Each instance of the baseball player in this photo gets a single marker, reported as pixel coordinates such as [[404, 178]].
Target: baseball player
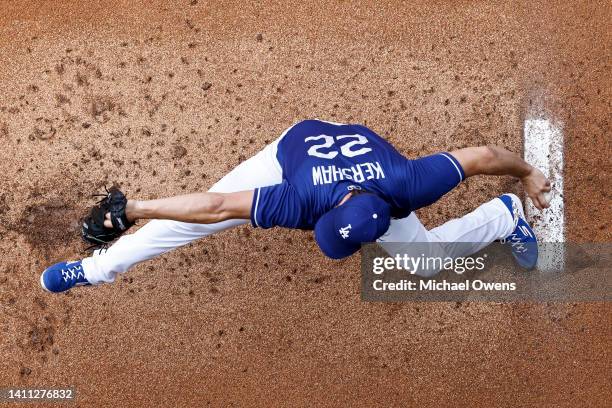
[[343, 181]]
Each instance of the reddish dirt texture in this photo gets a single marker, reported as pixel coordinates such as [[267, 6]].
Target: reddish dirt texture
[[166, 97]]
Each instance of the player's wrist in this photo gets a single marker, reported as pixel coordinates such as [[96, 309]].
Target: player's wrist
[[132, 210], [527, 171]]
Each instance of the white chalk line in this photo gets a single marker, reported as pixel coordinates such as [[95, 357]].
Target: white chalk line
[[543, 148]]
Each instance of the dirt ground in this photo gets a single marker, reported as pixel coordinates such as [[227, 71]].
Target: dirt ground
[[166, 97]]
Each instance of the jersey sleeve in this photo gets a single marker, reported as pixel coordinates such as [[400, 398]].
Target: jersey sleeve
[[428, 178], [276, 206]]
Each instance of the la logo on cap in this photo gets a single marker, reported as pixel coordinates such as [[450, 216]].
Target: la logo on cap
[[344, 231]]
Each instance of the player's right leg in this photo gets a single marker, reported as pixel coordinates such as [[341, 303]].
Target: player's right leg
[[160, 236], [502, 218]]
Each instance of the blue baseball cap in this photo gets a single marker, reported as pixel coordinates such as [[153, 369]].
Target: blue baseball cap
[[362, 218]]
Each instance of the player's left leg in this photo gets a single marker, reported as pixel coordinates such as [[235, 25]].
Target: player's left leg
[[160, 236]]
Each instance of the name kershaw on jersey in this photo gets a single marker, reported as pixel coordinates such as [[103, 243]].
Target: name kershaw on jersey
[[357, 173]]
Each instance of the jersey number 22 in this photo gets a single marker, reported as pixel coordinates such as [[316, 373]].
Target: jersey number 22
[[348, 149]]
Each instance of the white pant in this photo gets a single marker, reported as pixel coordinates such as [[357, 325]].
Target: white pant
[[489, 222]]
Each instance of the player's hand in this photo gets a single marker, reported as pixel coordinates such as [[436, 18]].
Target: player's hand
[[536, 185]]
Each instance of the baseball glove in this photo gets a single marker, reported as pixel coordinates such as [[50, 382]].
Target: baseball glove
[[93, 229]]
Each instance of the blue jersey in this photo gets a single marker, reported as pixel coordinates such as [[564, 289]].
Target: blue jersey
[[322, 162]]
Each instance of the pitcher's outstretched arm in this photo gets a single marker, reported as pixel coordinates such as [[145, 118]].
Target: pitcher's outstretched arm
[[199, 208], [497, 161]]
